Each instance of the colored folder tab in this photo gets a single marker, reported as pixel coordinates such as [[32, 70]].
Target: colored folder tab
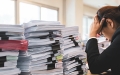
[[14, 44]]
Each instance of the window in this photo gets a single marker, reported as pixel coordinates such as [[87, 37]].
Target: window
[[25, 12], [49, 14], [7, 12], [87, 21], [29, 12]]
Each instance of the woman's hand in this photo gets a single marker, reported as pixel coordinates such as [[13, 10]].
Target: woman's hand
[[96, 27]]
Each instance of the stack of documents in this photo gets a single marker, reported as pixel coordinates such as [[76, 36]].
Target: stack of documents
[[74, 55], [8, 58], [45, 47], [24, 62], [11, 41]]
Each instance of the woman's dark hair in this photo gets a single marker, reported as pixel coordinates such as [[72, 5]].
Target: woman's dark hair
[[111, 12]]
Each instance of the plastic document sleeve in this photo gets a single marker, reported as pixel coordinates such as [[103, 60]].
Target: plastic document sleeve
[[14, 44]]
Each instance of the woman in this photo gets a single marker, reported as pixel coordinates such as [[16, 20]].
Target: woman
[[106, 22]]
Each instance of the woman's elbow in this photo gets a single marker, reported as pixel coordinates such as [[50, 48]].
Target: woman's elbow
[[95, 70]]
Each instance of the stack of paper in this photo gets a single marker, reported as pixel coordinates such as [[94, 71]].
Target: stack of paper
[[9, 58], [74, 55], [24, 62], [11, 40], [45, 47]]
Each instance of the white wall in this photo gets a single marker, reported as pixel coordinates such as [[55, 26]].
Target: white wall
[[89, 11], [70, 12], [73, 13]]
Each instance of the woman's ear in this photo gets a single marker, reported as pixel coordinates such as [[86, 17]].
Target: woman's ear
[[110, 23]]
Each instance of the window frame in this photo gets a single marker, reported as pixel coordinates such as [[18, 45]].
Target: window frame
[[87, 17], [17, 9]]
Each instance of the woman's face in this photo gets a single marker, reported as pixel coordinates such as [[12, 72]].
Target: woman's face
[[107, 33], [109, 30]]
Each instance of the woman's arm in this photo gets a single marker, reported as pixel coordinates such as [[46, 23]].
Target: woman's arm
[[99, 63]]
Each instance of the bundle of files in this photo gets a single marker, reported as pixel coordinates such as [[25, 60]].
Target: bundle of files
[[45, 47], [11, 42], [24, 62], [74, 55]]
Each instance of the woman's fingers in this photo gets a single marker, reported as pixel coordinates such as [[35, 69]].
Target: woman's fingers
[[102, 21], [95, 20]]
